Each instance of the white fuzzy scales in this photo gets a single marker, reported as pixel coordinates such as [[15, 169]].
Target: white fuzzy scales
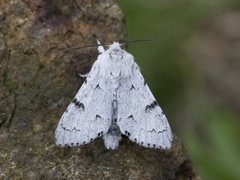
[[114, 100]]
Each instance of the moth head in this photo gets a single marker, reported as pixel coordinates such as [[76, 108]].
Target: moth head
[[116, 52]]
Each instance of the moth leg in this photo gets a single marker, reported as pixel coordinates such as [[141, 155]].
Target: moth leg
[[83, 75], [100, 47]]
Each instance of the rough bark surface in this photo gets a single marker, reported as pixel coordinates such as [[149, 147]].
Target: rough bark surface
[[39, 78]]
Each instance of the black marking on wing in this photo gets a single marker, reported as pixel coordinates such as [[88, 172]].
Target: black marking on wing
[[98, 116], [153, 130], [132, 87], [78, 104], [127, 133], [143, 80], [97, 86], [130, 117], [100, 133], [74, 100], [144, 83], [151, 106]]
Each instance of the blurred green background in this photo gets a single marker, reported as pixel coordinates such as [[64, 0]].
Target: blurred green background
[[194, 72]]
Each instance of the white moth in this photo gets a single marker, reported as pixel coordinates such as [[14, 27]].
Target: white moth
[[114, 100]]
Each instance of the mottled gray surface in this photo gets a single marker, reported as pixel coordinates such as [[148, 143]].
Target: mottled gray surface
[[38, 80]]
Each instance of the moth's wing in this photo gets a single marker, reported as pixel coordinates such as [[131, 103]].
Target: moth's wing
[[139, 115], [88, 116]]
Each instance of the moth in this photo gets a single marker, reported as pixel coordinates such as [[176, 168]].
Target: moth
[[114, 100]]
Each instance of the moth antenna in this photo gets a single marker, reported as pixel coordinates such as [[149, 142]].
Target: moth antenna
[[141, 40], [87, 46], [101, 48]]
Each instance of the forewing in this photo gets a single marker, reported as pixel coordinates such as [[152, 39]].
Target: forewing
[[88, 116], [139, 115]]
